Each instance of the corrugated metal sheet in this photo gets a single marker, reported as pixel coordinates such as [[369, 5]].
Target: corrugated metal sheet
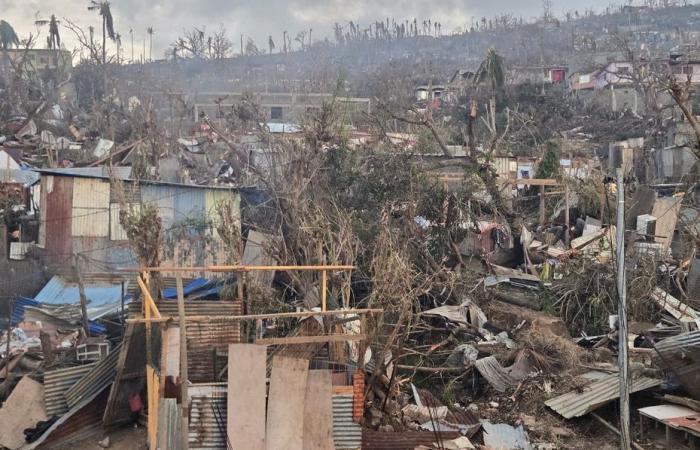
[[101, 376], [57, 382], [169, 425], [578, 403], [116, 231], [208, 417], [61, 291], [80, 422], [56, 212], [206, 340], [168, 308], [18, 308], [346, 433], [90, 207], [405, 440], [681, 355], [120, 172]]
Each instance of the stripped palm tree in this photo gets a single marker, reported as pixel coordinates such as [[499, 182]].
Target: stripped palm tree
[[491, 71], [8, 37], [149, 30], [271, 44], [103, 8], [54, 39]]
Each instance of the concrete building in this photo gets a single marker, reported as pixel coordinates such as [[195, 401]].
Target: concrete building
[[41, 60], [278, 107]]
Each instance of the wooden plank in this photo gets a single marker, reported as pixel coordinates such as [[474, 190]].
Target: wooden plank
[[285, 421], [311, 339], [152, 389], [148, 303], [22, 409], [324, 289], [299, 315], [247, 370], [318, 411]]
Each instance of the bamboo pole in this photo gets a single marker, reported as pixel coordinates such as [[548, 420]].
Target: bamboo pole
[[299, 315], [324, 290]]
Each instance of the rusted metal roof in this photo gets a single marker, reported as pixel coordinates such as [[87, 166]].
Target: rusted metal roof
[[681, 355], [346, 433], [101, 376], [205, 342], [168, 308], [81, 421], [57, 382], [405, 440], [578, 403]]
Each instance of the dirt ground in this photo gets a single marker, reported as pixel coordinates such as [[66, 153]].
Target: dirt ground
[[121, 439]]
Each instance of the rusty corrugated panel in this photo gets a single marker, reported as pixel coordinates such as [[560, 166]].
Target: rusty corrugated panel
[[346, 433], [405, 440], [90, 207], [208, 417], [81, 421], [57, 218], [205, 340], [681, 355], [56, 383], [168, 308], [580, 402], [101, 376]]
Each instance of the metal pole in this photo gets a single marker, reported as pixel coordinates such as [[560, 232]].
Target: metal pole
[[625, 438], [184, 401]]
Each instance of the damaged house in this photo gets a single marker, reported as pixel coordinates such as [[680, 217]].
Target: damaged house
[[79, 214]]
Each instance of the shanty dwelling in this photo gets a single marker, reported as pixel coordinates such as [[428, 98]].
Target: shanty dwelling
[[79, 214]]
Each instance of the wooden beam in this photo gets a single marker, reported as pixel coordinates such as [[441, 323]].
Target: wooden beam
[[184, 401], [149, 304], [311, 339], [324, 289], [299, 315]]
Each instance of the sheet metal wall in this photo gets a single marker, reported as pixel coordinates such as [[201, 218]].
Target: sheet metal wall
[[90, 207], [56, 220]]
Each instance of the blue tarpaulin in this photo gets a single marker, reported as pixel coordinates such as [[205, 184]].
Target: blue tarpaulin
[[197, 288]]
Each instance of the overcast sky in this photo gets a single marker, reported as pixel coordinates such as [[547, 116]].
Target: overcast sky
[[260, 18]]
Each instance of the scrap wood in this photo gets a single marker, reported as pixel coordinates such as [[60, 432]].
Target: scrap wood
[[675, 307], [684, 401], [22, 409]]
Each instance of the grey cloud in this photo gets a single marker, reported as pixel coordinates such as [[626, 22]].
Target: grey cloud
[[261, 18]]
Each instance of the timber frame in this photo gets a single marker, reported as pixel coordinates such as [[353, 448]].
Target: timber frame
[[151, 315]]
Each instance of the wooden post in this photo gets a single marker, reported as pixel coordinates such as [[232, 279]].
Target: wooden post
[[184, 403], [567, 219], [542, 218], [83, 298], [324, 290]]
